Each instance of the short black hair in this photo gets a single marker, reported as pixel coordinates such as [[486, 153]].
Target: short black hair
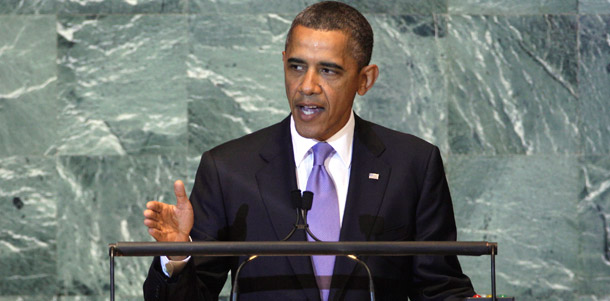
[[332, 15]]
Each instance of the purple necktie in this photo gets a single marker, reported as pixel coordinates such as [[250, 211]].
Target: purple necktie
[[323, 218]]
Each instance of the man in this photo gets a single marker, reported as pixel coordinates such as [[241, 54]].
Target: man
[[384, 186]]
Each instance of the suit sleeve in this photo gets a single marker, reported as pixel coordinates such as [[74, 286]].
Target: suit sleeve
[[203, 277], [437, 277]]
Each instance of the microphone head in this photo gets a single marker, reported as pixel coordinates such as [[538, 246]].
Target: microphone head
[[297, 200], [307, 200]]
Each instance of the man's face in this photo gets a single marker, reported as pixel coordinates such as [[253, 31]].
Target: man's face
[[322, 79]]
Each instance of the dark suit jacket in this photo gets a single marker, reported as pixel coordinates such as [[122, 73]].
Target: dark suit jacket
[[242, 192]]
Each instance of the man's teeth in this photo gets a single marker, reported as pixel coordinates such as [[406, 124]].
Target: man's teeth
[[309, 110]]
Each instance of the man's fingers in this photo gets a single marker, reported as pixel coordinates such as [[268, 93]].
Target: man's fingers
[[165, 222], [155, 206], [152, 215], [180, 192], [151, 224]]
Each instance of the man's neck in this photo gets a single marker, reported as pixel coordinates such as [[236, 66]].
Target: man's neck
[[341, 141]]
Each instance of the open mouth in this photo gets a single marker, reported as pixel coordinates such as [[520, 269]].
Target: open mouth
[[310, 110]]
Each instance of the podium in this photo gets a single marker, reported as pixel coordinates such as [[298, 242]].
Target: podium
[[292, 248]]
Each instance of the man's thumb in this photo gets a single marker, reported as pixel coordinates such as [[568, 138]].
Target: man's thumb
[[180, 192]]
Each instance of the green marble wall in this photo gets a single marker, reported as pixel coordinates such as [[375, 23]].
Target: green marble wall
[[104, 103]]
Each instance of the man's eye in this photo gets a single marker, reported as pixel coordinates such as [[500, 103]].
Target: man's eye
[[297, 67], [328, 71]]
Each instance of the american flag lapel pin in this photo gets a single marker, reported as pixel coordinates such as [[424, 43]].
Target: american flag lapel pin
[[373, 176]]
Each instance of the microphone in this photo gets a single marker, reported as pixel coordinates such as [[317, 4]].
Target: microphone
[[307, 203], [302, 203], [297, 202], [307, 200]]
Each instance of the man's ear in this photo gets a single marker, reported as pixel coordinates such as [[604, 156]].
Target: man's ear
[[368, 76], [283, 55]]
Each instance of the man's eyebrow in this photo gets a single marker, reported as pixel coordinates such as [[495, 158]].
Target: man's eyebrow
[[295, 61]]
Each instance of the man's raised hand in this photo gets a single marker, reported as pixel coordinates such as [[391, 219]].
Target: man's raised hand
[[169, 223]]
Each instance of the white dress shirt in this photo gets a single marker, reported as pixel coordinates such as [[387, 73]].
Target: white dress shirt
[[338, 166]]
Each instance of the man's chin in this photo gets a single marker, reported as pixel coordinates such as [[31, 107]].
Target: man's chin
[[308, 132]]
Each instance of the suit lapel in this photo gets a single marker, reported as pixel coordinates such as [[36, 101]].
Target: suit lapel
[[275, 182], [369, 177]]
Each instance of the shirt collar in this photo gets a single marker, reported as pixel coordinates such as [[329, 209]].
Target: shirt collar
[[340, 141]]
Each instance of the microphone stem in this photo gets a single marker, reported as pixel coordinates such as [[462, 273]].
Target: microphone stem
[[368, 272], [294, 228]]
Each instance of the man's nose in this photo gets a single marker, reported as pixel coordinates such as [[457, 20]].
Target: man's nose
[[310, 84]]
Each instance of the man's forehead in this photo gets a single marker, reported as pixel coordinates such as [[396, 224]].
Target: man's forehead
[[302, 34]]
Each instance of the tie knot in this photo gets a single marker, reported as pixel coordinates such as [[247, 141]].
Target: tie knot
[[321, 151]]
